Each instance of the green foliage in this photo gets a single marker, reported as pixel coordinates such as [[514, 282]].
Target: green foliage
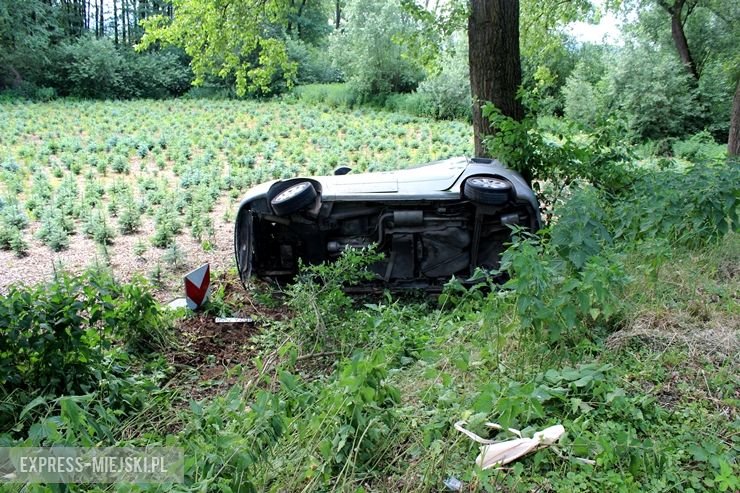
[[557, 297], [174, 256], [25, 31], [59, 338], [444, 95], [334, 95], [11, 238], [55, 229], [368, 52], [574, 277], [252, 51], [585, 92], [314, 64], [348, 421], [657, 96], [54, 335], [447, 93], [96, 227], [12, 215], [96, 68], [129, 219], [695, 205], [139, 319], [700, 148], [167, 226], [91, 66], [655, 99], [228, 439], [317, 297], [562, 156], [12, 223], [140, 248]]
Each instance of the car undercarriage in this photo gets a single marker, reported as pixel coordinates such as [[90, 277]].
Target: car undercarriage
[[423, 243], [426, 235]]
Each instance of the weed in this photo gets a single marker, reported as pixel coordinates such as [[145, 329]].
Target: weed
[[317, 298]]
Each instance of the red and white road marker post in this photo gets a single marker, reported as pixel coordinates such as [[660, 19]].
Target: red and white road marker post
[[198, 286]]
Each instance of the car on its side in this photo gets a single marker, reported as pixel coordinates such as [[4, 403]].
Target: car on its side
[[431, 222]]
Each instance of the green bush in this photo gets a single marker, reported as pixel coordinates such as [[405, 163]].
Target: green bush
[[90, 68], [96, 68], [367, 50], [231, 436], [314, 64], [55, 229], [129, 219], [558, 159], [557, 298], [47, 341], [64, 337], [351, 418], [139, 320], [695, 205], [29, 90], [12, 215], [11, 238], [210, 91], [334, 95], [581, 100], [96, 227], [412, 103], [167, 226], [446, 94], [700, 147], [317, 297], [157, 74]]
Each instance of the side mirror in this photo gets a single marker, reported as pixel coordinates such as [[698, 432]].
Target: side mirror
[[342, 170]]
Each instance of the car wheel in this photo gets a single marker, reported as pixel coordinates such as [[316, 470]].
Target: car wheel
[[294, 198], [487, 190]]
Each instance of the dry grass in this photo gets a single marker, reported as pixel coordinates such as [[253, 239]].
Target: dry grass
[[717, 339]]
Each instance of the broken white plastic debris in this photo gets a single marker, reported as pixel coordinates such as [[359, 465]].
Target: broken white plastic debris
[[177, 303], [496, 453], [234, 320]]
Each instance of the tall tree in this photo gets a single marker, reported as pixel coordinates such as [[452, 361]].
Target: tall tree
[[679, 11], [494, 45], [124, 20], [733, 140], [115, 22], [102, 20], [248, 49], [495, 64]]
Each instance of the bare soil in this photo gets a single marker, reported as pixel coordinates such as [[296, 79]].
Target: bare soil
[[41, 262]]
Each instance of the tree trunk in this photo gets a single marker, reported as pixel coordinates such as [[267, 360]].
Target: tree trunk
[[678, 34], [115, 22], [733, 141], [102, 20], [495, 65], [682, 45], [337, 14]]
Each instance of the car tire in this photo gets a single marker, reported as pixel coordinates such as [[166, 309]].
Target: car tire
[[487, 190], [294, 198]]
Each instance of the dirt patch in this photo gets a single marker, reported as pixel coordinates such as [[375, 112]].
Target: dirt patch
[[206, 342], [212, 355]]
